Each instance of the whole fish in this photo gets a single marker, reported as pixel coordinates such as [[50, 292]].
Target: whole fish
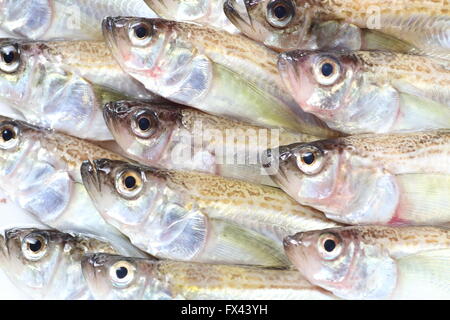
[[64, 19], [195, 216], [350, 24], [46, 264], [40, 171], [205, 12], [370, 179], [370, 91], [374, 262], [120, 278], [208, 69], [49, 96], [177, 137]]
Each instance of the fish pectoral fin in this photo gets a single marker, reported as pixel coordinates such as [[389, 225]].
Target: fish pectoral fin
[[376, 40]]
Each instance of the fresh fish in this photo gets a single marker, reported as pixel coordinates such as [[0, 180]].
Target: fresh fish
[[204, 12], [370, 91], [374, 262], [211, 70], [46, 264], [64, 19], [177, 137], [121, 278], [40, 171], [370, 179], [355, 25], [195, 216]]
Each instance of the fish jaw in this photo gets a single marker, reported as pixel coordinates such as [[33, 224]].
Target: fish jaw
[[94, 273]]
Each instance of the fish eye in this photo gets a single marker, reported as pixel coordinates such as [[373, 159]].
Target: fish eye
[[10, 59], [144, 124], [129, 183], [329, 246], [34, 246], [280, 13], [140, 33], [8, 136], [327, 71], [122, 273], [310, 160]]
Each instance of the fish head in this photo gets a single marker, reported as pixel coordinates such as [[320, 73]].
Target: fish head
[[279, 24], [117, 277], [322, 83], [142, 129], [28, 19], [341, 261], [123, 193]]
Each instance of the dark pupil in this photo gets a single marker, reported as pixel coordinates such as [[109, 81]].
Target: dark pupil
[[7, 134], [140, 32], [121, 272], [35, 245], [280, 12], [8, 57], [144, 124], [327, 69], [308, 158], [130, 182], [329, 245]]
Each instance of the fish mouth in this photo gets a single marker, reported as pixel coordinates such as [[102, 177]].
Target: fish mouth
[[90, 176], [89, 271], [116, 110], [237, 12]]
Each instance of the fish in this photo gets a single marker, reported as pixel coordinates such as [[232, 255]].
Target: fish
[[386, 179], [208, 69], [208, 12], [40, 171], [193, 216], [358, 92], [64, 19], [177, 137], [403, 26], [113, 277], [46, 264], [375, 262]]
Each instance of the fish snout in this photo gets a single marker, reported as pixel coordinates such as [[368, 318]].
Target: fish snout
[[236, 11], [292, 241]]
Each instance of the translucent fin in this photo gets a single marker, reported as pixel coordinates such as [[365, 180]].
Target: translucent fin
[[424, 199], [376, 40], [424, 276], [228, 242]]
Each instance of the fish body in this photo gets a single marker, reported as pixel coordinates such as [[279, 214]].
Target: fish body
[[182, 138], [64, 19], [185, 215], [167, 280], [375, 262], [370, 179], [39, 170], [370, 91], [366, 24], [209, 12], [184, 62], [46, 264]]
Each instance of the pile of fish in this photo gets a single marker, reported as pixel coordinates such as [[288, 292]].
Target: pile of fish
[[237, 149]]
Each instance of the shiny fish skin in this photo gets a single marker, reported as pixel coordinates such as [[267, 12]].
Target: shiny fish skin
[[64, 19], [384, 179], [39, 170], [375, 262], [421, 23], [370, 91], [175, 129], [208, 69], [167, 280], [177, 205], [52, 272], [204, 12]]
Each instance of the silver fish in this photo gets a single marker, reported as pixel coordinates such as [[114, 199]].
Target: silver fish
[[374, 262], [64, 19], [46, 264], [401, 178], [121, 278]]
